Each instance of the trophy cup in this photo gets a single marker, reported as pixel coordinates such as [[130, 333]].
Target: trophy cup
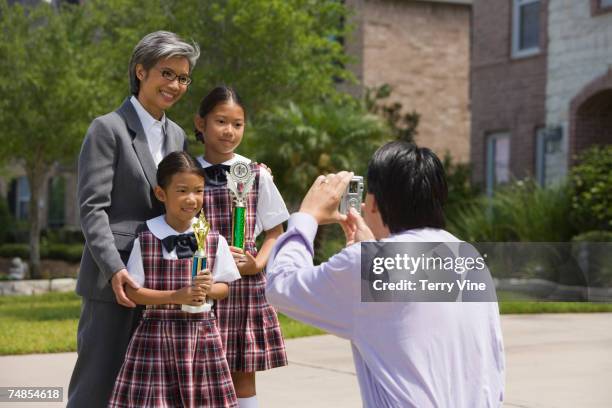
[[239, 181], [200, 229]]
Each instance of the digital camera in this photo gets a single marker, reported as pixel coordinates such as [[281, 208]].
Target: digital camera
[[353, 196]]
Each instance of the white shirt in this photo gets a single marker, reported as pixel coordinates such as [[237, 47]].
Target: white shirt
[[271, 209], [153, 129], [418, 354], [224, 270]]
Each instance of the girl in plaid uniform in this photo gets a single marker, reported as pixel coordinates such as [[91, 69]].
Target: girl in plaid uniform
[[248, 324], [175, 358]]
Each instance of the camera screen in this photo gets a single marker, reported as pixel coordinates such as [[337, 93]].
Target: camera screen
[[353, 187]]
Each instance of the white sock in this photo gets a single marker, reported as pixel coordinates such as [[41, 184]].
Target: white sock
[[250, 402]]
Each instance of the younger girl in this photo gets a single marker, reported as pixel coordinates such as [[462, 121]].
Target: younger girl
[[248, 324], [176, 359]]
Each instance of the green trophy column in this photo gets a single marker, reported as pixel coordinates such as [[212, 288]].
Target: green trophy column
[[238, 227]]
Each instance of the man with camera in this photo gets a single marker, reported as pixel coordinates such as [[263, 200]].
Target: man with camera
[[411, 354]]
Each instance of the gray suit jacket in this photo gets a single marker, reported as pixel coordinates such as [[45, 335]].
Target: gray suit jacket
[[116, 176]]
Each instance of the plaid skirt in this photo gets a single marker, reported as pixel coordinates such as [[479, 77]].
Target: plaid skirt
[[174, 359], [249, 327]]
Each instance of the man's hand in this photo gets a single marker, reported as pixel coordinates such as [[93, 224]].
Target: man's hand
[[324, 196], [355, 229], [118, 281]]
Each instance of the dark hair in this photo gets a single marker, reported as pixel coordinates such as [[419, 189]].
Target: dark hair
[[176, 162], [409, 185], [219, 95]]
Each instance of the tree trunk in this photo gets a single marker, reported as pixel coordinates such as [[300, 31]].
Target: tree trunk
[[37, 178]]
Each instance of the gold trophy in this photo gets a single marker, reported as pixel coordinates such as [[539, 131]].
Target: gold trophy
[[201, 228]]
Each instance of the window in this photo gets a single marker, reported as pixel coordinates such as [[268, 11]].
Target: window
[[601, 7], [550, 156], [525, 28], [22, 198], [498, 160], [56, 193]]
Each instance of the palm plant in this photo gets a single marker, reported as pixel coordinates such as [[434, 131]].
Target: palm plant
[[301, 142]]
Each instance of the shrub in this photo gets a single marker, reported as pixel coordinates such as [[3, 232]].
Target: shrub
[[594, 236], [461, 192], [301, 142], [65, 235], [593, 251], [62, 252], [591, 183], [522, 211], [15, 250]]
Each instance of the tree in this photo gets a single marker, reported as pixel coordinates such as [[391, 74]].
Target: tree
[[270, 51], [60, 67], [404, 126], [46, 97]]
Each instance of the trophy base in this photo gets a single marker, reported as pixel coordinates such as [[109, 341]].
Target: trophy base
[[196, 309]]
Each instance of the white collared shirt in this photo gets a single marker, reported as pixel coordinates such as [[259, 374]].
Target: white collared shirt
[[224, 270], [271, 209], [153, 129]]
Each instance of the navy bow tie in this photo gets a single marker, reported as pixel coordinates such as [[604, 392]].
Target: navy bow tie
[[215, 174], [185, 244]]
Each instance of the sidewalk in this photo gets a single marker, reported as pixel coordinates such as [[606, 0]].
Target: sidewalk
[[553, 361]]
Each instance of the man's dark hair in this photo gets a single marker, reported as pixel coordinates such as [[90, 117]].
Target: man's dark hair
[[409, 185]]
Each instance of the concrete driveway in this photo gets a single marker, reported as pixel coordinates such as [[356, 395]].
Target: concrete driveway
[[553, 361]]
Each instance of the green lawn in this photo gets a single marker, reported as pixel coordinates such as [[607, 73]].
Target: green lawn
[[47, 323]]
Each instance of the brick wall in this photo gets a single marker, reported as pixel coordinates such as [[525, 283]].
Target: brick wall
[[422, 50], [579, 83], [507, 94]]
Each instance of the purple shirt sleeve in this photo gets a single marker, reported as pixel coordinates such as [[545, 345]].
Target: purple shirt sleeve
[[320, 295]]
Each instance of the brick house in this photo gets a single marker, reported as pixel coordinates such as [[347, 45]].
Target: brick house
[[421, 48], [57, 209], [541, 86]]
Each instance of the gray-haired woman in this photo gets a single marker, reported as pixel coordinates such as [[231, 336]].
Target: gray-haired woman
[[116, 175]]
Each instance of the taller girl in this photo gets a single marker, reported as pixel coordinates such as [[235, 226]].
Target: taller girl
[[248, 324]]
